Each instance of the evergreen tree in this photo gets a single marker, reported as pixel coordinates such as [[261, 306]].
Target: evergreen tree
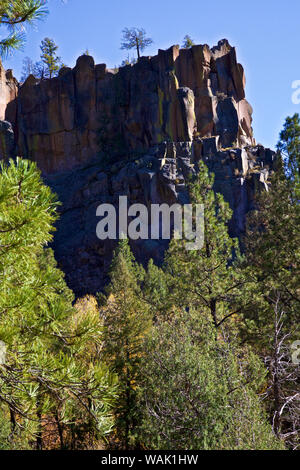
[[14, 14], [42, 377], [135, 38], [208, 279], [49, 57], [199, 392], [289, 145], [126, 321], [156, 292], [272, 318], [187, 42]]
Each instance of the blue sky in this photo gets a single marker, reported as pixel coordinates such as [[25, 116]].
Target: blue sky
[[266, 34]]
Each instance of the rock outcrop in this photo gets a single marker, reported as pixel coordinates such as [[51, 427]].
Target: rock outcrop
[[98, 134], [174, 96], [157, 177], [8, 112], [7, 141], [8, 95]]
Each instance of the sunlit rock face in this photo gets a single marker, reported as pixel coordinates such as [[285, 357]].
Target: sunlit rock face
[[8, 94], [8, 112], [174, 96], [140, 131]]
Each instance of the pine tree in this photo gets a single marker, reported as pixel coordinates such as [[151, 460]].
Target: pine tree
[[208, 279], [43, 379], [14, 14], [126, 322], [156, 292], [289, 145], [135, 38], [49, 57], [188, 42]]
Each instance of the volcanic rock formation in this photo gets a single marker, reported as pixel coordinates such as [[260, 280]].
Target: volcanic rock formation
[[140, 131]]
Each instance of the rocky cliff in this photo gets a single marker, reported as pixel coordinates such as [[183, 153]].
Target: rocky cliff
[[8, 111], [174, 96], [140, 131]]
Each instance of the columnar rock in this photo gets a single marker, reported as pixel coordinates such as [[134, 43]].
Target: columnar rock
[[139, 132], [159, 176], [174, 96], [8, 94], [7, 141]]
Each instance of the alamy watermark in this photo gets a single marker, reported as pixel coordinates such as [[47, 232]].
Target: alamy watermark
[[296, 93], [2, 352], [295, 350], [160, 221]]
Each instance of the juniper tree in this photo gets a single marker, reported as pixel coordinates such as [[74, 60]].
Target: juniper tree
[[14, 14], [199, 392]]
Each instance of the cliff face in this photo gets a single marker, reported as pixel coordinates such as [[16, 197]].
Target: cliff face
[[8, 110], [157, 177], [8, 94], [174, 96], [98, 134]]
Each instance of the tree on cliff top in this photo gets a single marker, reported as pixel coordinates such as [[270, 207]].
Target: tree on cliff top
[[32, 68], [187, 42], [14, 15], [52, 61], [135, 38]]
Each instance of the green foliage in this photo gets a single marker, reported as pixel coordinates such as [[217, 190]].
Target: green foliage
[[43, 378], [128, 61], [14, 14], [187, 42], [272, 317], [49, 57], [207, 278], [156, 291], [272, 246], [47, 67], [289, 145], [199, 391], [126, 320], [135, 38], [11, 438]]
